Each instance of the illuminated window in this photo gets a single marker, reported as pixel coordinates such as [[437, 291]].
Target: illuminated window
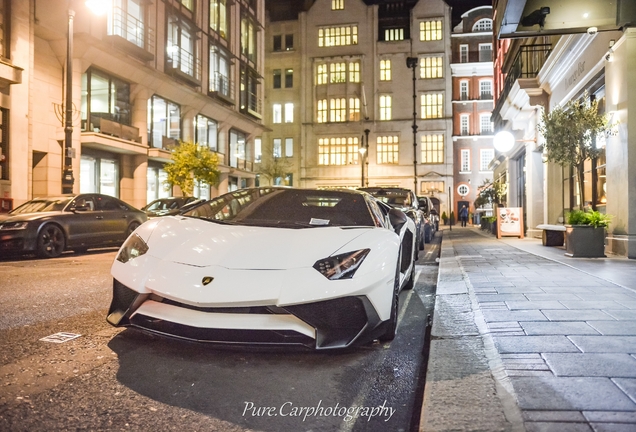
[[485, 89], [463, 190], [385, 107], [289, 147], [465, 160], [485, 125], [387, 149], [463, 90], [485, 157], [218, 17], [321, 74], [338, 36], [322, 111], [354, 109], [482, 25], [432, 105], [431, 67], [464, 127], [277, 148], [385, 70], [338, 72], [337, 4], [338, 151], [433, 149], [393, 34], [337, 110], [431, 30], [277, 113], [430, 187], [289, 112], [354, 72]]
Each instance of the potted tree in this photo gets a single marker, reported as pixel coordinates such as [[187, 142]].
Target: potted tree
[[585, 233], [571, 133], [445, 218]]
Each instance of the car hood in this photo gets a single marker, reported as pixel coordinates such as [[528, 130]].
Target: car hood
[[202, 243], [26, 216]]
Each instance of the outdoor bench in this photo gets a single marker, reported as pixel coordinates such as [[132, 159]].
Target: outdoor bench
[[553, 235]]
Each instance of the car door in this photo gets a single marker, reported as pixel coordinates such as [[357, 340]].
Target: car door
[[83, 221], [114, 219]]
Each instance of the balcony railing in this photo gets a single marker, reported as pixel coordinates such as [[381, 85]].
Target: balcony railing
[[222, 86], [184, 63], [527, 64], [242, 164], [132, 30]]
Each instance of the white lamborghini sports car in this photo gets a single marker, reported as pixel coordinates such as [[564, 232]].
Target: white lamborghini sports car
[[268, 265]]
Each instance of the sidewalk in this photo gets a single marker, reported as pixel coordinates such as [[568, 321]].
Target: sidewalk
[[525, 338]]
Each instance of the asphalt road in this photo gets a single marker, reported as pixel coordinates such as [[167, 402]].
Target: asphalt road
[[114, 379]]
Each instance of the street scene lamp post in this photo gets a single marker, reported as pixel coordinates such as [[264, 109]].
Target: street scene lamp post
[[366, 155], [97, 7], [362, 150], [411, 62], [67, 173]]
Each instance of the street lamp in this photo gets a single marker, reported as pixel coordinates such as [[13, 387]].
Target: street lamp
[[411, 62], [98, 8], [364, 148], [362, 151]]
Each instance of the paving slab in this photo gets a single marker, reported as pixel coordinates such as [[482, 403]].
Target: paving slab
[[628, 385], [611, 365], [520, 315], [538, 305], [625, 328], [566, 328], [578, 315], [534, 344], [570, 393], [606, 344]]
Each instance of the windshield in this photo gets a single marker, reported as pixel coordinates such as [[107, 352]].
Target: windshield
[[42, 205], [394, 198], [288, 208]]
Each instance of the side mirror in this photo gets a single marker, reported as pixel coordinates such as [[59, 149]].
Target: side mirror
[[79, 208], [397, 218]]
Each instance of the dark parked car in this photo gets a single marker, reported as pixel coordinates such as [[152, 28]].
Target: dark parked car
[[430, 212], [168, 206], [405, 200], [49, 226]]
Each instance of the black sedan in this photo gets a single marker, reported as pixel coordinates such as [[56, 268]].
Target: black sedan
[[49, 226], [405, 200]]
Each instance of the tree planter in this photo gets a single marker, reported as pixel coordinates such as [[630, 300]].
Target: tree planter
[[585, 241]]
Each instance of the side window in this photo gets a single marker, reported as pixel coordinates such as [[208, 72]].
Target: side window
[[84, 202], [378, 217], [105, 203]]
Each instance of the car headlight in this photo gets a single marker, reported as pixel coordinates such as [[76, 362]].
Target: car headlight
[[133, 247], [341, 266], [13, 225]]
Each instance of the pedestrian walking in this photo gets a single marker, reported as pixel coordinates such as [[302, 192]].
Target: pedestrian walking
[[463, 215]]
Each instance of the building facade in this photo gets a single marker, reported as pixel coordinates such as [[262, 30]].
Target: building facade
[[472, 77], [145, 75], [537, 73], [356, 100]]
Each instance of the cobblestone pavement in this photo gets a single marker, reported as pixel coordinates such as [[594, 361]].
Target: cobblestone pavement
[[522, 341]]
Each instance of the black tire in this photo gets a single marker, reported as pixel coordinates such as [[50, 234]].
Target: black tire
[[391, 324], [411, 282], [132, 227], [51, 241]]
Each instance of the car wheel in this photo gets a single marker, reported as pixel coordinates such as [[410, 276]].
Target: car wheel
[[132, 227], [391, 324], [51, 241]]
